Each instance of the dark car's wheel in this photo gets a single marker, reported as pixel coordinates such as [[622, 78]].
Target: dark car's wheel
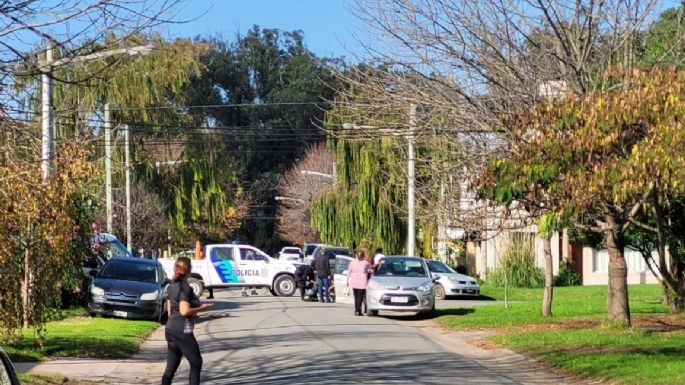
[[197, 286], [440, 291], [285, 286]]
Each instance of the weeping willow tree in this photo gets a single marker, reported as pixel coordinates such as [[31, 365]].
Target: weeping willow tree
[[361, 208], [148, 94]]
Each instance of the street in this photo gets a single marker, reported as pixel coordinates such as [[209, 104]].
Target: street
[[276, 340], [282, 340]]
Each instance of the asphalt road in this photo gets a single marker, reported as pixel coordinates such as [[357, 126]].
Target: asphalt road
[[276, 340]]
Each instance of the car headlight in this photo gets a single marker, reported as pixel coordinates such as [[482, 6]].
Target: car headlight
[[424, 288], [374, 286], [97, 291], [149, 296]]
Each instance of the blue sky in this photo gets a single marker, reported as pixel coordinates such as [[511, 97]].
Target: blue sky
[[328, 25]]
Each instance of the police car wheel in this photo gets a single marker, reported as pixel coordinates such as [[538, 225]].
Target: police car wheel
[[285, 286], [197, 286], [273, 292]]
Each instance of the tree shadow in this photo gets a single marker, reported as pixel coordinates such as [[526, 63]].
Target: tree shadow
[[455, 311]]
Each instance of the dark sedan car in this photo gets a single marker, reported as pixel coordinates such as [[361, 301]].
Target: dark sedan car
[[7, 374], [129, 288]]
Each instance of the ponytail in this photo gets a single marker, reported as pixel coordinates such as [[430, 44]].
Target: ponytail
[[181, 269]]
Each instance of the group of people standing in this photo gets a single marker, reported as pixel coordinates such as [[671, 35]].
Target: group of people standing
[[318, 276]]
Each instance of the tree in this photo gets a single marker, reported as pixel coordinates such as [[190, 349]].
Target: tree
[[605, 156], [297, 190], [44, 233], [484, 61], [269, 93]]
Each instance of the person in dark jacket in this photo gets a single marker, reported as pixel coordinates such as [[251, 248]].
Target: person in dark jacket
[[322, 267], [182, 307], [304, 275]]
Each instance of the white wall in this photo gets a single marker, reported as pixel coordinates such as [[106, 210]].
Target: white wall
[[596, 262]]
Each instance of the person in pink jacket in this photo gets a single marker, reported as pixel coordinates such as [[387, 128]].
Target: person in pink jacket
[[358, 278]]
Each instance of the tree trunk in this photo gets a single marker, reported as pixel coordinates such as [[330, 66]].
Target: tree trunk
[[674, 298], [26, 287], [617, 296], [549, 278]]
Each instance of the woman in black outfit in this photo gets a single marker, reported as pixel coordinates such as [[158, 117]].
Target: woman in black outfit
[[182, 306]]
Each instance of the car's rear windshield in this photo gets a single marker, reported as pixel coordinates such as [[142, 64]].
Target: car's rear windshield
[[400, 267], [439, 267], [291, 250], [128, 271], [309, 249]]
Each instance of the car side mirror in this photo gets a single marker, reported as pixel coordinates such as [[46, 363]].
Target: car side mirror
[[93, 272], [167, 281], [436, 278]]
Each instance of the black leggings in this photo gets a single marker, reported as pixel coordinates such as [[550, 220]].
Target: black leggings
[[179, 345], [359, 295]]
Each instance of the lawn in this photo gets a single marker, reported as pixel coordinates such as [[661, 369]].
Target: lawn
[[624, 356], [79, 336], [577, 339], [583, 302]]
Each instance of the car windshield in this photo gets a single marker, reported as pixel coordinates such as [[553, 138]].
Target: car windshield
[[401, 267], [333, 252], [291, 250], [309, 249], [130, 271], [439, 267]]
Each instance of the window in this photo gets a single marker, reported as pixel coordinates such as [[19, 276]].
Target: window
[[439, 267], [222, 254], [600, 261], [251, 255], [341, 264], [127, 271], [401, 267]]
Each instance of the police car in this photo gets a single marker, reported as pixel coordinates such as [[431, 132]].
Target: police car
[[231, 265]]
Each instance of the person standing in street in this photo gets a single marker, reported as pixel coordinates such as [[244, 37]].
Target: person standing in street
[[358, 278], [377, 257], [182, 307], [322, 267]]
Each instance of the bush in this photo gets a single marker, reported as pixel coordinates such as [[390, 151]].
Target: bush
[[517, 261], [567, 275]]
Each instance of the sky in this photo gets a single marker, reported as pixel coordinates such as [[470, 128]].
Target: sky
[[328, 25]]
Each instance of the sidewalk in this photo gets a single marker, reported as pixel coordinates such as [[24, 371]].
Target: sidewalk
[[146, 367]]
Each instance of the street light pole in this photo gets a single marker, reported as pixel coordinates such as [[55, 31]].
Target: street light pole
[[108, 166], [411, 180], [46, 117], [46, 94], [127, 156]]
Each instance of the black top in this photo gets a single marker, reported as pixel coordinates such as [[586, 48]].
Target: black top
[[304, 273], [177, 292], [322, 266]]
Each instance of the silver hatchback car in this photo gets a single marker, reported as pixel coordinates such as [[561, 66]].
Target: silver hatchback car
[[402, 284]]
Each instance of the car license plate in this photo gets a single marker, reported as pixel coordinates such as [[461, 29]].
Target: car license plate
[[399, 299], [117, 313]]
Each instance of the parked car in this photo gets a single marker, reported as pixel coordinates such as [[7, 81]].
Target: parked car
[[308, 250], [290, 253], [104, 247], [8, 376], [401, 283], [129, 288], [450, 282], [331, 252], [238, 265]]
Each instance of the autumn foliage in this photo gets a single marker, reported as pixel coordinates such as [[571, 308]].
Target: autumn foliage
[[43, 233]]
